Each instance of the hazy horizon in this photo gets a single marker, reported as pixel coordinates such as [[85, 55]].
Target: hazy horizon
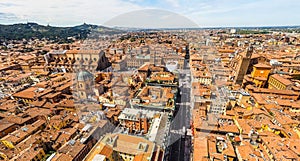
[[263, 26]]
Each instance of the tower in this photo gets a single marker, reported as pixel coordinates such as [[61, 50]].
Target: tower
[[85, 82], [243, 65]]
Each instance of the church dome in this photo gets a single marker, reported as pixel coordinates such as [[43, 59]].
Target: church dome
[[84, 75]]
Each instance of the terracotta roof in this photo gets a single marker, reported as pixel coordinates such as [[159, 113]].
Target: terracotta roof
[[17, 120], [106, 151], [72, 149], [200, 148], [30, 154], [62, 157], [5, 124], [261, 65], [32, 93], [130, 145]]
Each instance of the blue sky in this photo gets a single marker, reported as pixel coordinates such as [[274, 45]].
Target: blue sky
[[205, 13]]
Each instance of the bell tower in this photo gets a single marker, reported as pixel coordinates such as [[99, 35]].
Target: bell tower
[[84, 83], [243, 65]]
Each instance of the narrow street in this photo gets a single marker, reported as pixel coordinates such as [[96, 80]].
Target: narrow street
[[181, 143]]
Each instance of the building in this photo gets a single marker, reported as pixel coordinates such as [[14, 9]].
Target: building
[[119, 63], [284, 94], [32, 154], [19, 135], [72, 150], [31, 94], [163, 79], [276, 81], [174, 58], [241, 64], [115, 147], [200, 94], [137, 61], [203, 77], [259, 75], [75, 60], [84, 84], [136, 120], [6, 128], [281, 149], [156, 98], [219, 148]]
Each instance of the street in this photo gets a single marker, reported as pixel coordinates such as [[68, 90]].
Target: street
[[180, 143]]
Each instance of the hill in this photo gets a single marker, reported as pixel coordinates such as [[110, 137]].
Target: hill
[[58, 34]]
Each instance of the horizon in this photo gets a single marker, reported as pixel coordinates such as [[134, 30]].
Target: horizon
[[117, 27]]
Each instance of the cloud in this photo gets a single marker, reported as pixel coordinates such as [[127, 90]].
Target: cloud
[[7, 16], [7, 4], [151, 18], [174, 3], [206, 12], [135, 1], [69, 12], [216, 13]]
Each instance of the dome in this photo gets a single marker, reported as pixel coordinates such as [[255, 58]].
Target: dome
[[84, 75]]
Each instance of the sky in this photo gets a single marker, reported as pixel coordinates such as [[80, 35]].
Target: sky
[[204, 13]]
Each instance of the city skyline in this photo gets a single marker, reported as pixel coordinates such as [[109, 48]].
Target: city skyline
[[149, 80], [214, 13], [162, 93]]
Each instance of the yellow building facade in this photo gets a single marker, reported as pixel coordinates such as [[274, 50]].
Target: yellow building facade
[[278, 82], [260, 74]]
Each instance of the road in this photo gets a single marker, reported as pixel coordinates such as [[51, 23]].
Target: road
[[180, 143]]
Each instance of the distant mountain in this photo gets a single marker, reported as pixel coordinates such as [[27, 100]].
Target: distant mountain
[[59, 34]]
